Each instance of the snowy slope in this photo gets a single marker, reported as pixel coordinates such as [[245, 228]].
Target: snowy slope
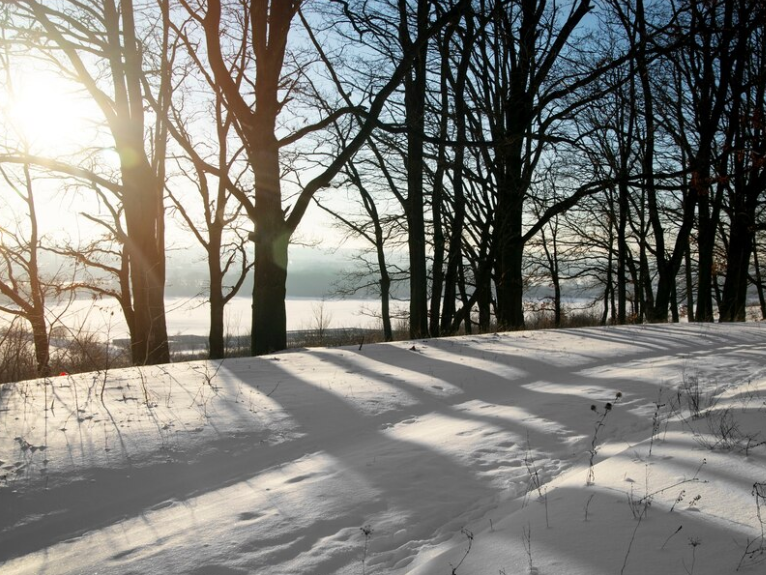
[[461, 455]]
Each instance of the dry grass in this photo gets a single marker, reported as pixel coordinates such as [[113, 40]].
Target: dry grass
[[70, 352]]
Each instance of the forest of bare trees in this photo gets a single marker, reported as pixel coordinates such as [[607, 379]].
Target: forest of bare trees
[[481, 150]]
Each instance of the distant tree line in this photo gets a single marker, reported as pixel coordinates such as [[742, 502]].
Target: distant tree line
[[496, 145]]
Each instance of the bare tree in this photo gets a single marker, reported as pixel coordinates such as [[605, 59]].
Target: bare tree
[[21, 281], [705, 67], [266, 25], [88, 41], [216, 176], [520, 88], [745, 179], [104, 262]]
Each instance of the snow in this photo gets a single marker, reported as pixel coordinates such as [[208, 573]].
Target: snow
[[457, 455]]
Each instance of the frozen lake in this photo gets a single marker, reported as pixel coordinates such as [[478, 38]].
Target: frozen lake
[[190, 316]]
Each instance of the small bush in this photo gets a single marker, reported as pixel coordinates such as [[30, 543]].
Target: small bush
[[17, 354], [70, 352], [697, 401]]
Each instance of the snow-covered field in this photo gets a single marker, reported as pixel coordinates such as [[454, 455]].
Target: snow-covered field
[[467, 455]]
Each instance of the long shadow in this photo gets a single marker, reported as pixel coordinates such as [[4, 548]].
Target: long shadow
[[643, 337], [338, 429], [443, 486], [666, 337], [516, 392], [68, 504], [574, 545], [712, 471], [226, 462], [36, 519], [683, 347], [493, 389]]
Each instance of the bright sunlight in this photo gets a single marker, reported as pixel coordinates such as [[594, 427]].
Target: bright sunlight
[[45, 114]]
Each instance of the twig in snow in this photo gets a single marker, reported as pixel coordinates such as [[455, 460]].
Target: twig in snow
[[671, 535], [367, 531], [469, 536]]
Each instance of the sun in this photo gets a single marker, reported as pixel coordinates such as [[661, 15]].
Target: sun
[[46, 114]]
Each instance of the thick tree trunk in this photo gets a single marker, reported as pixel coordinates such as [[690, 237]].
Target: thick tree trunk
[[216, 334], [658, 313], [759, 280], [269, 291], [674, 315], [510, 288], [144, 218], [40, 338], [271, 244], [385, 306], [418, 273], [484, 305], [740, 249], [509, 279], [646, 297], [483, 276]]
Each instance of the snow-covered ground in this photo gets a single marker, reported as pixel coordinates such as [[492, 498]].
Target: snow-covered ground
[[467, 455]]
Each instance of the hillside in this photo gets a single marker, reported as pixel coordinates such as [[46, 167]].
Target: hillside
[[489, 455]]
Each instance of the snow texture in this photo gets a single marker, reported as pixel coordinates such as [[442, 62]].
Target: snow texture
[[493, 454]]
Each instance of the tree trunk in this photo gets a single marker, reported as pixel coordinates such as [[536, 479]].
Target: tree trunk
[[509, 280], [759, 280], [689, 282], [608, 288], [454, 252], [144, 218], [706, 244], [40, 338], [269, 290], [216, 341], [622, 254], [415, 99], [484, 304], [466, 301], [734, 296], [271, 244], [674, 316], [385, 306], [438, 201]]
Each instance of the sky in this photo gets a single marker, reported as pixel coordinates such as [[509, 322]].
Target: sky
[[569, 452], [52, 118]]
